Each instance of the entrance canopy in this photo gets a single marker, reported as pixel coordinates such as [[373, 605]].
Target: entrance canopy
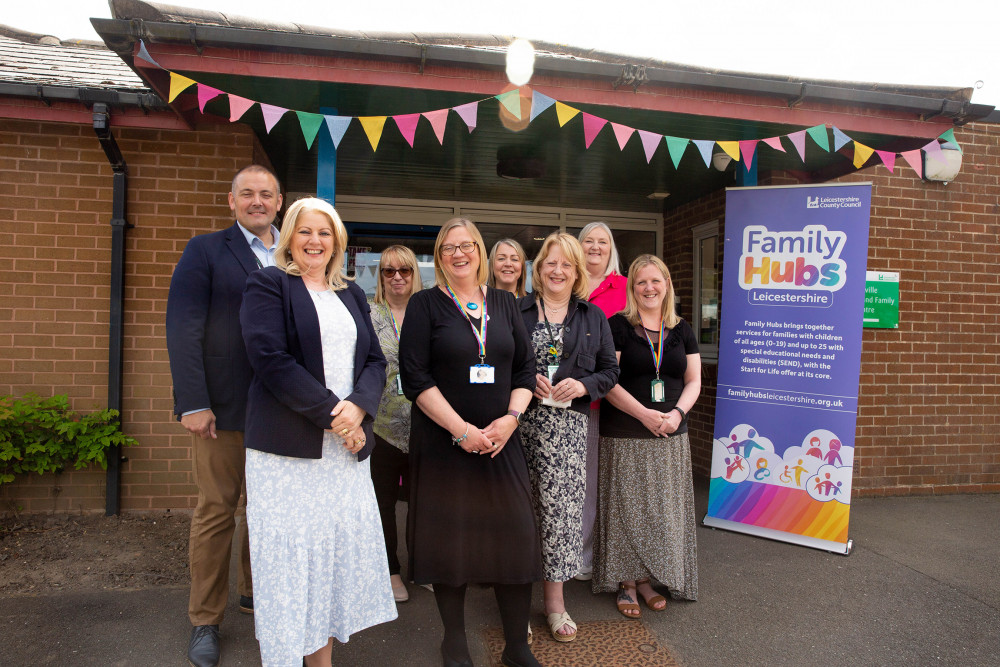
[[545, 162]]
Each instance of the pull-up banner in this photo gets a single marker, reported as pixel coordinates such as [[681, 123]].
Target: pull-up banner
[[793, 296]]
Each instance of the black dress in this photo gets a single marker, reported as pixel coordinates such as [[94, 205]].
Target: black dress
[[470, 517]]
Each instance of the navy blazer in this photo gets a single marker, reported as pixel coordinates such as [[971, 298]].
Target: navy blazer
[[588, 348], [208, 360], [289, 406]]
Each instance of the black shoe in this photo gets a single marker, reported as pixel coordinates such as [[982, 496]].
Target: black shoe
[[448, 662], [246, 604], [527, 660], [203, 651]]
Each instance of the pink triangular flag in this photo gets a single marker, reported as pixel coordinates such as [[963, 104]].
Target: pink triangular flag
[[272, 115], [650, 142], [438, 120], [933, 150], [238, 106], [468, 113], [622, 134], [775, 143], [798, 140], [206, 93], [888, 159], [747, 147], [591, 127], [407, 125], [913, 159]]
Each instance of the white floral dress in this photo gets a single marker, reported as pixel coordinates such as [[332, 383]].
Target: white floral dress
[[316, 545]]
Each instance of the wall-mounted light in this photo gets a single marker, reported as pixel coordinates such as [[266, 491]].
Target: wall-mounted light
[[660, 195], [520, 62], [721, 161], [944, 166]]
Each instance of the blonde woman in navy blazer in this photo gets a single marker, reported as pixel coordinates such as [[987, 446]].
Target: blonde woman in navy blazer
[[315, 535]]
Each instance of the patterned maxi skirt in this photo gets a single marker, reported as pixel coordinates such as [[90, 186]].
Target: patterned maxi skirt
[[555, 447], [645, 520]]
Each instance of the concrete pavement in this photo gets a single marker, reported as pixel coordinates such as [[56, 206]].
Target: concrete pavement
[[921, 587]]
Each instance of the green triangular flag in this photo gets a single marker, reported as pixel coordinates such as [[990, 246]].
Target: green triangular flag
[[676, 147], [820, 136], [512, 100], [310, 122], [949, 138]]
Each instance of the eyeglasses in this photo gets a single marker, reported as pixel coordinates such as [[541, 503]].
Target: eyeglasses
[[449, 249], [389, 272]]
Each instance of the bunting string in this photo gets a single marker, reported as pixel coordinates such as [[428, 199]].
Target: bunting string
[[742, 151]]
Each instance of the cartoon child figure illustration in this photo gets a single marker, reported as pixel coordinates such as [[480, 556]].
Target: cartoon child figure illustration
[[732, 465], [798, 472], [762, 470], [833, 456], [814, 449], [734, 446]]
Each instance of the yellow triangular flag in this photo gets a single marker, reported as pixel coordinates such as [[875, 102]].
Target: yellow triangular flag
[[178, 84], [564, 113], [861, 154], [373, 128], [732, 148]]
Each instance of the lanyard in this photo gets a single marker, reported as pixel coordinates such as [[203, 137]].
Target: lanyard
[[480, 334], [553, 350], [658, 352], [395, 327]]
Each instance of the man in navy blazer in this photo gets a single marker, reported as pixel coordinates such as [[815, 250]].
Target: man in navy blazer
[[211, 376]]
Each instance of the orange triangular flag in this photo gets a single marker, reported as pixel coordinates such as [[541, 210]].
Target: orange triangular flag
[[564, 113], [373, 128], [178, 84]]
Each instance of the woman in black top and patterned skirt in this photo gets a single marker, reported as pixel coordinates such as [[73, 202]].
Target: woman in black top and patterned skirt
[[466, 363], [646, 524]]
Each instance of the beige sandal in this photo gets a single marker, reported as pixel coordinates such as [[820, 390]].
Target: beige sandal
[[558, 620]]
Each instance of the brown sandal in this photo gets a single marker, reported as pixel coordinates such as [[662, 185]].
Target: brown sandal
[[651, 601], [627, 606]]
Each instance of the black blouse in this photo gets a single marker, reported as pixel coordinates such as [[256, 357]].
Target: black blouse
[[638, 371]]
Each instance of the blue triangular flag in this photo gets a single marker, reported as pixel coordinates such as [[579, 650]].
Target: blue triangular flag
[[539, 103], [337, 125], [705, 147], [144, 54], [839, 139]]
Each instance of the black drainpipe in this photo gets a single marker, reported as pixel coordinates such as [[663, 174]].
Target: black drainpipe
[[116, 333]]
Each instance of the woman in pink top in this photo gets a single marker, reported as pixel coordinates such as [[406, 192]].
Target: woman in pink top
[[607, 289]]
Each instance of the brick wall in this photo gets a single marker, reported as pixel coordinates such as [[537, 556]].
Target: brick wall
[[929, 397], [54, 288]]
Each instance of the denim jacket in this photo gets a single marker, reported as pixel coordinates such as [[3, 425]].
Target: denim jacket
[[588, 349]]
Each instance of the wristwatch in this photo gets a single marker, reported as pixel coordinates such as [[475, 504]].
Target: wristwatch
[[516, 415]]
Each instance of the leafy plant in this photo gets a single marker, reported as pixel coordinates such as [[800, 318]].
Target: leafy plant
[[44, 435]]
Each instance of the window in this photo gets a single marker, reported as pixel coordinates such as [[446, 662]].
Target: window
[[706, 289]]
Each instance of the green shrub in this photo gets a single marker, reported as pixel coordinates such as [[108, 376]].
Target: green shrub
[[43, 435]]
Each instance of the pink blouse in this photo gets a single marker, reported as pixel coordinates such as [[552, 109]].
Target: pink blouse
[[610, 294]]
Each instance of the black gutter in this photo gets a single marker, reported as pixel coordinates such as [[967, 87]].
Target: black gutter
[[120, 35], [107, 96], [116, 332]]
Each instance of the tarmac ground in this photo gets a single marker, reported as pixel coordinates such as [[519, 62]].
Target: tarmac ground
[[920, 587]]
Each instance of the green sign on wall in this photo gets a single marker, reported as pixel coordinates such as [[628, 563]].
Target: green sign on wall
[[881, 300]]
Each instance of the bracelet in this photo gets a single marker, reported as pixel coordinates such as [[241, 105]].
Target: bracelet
[[683, 414], [515, 414], [458, 441]]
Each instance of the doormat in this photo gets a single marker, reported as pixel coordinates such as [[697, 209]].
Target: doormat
[[598, 644]]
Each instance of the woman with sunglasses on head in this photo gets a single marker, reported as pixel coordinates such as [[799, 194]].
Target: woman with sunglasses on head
[[507, 267], [466, 364], [398, 280]]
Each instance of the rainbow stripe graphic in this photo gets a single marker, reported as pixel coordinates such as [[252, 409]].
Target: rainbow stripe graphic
[[778, 508]]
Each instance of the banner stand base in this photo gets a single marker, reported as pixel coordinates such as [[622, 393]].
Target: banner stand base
[[843, 549]]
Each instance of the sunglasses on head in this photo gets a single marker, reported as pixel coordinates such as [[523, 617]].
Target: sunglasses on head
[[389, 272]]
